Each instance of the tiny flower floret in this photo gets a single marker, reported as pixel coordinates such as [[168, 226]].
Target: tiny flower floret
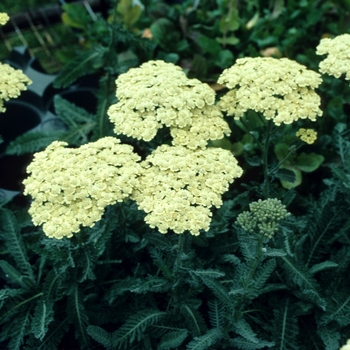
[[158, 94], [307, 135], [337, 62], [72, 187], [12, 82], [281, 89], [263, 217], [178, 186], [4, 18]]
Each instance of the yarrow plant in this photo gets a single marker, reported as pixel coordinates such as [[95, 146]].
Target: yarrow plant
[[185, 229], [338, 61], [176, 185]]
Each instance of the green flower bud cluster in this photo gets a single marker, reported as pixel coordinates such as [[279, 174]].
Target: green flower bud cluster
[[263, 217]]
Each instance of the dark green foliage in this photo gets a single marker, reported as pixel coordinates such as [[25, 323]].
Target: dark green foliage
[[121, 284]]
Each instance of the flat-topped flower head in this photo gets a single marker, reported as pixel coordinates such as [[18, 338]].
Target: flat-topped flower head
[[157, 94], [307, 135], [4, 18], [337, 62], [71, 187], [281, 89], [178, 186], [12, 82]]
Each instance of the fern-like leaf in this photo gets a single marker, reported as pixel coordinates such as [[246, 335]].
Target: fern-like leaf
[[285, 329], [244, 344], [262, 275], [19, 330], [14, 242], [338, 311], [330, 337], [322, 266], [219, 291], [101, 336], [134, 328], [210, 273], [206, 340], [32, 142], [243, 329], [52, 339], [216, 313], [173, 339], [77, 314], [43, 316], [193, 319], [78, 67], [69, 113]]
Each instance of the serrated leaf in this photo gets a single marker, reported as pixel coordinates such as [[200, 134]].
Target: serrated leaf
[[172, 339], [14, 242], [43, 316], [80, 65], [134, 328], [32, 142], [322, 266], [206, 340], [208, 273], [70, 113], [274, 252], [101, 336]]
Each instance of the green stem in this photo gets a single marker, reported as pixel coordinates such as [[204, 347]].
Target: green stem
[[285, 158], [179, 252], [257, 260], [103, 118], [265, 151]]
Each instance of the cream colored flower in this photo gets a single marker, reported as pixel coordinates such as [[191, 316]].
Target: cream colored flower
[[159, 93], [12, 82], [307, 135], [280, 89], [4, 18], [338, 60], [178, 186], [346, 347], [71, 187], [207, 124]]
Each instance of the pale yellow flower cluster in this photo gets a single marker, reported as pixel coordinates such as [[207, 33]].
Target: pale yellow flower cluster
[[72, 187], [207, 124], [280, 89], [338, 60], [346, 346], [159, 93], [4, 18], [178, 186], [12, 82], [307, 135]]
